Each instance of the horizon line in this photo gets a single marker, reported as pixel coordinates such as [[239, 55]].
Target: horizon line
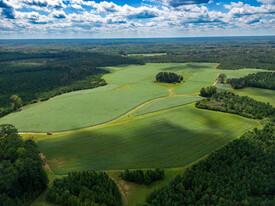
[[106, 38]]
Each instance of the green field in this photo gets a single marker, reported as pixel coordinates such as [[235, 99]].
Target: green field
[[159, 125], [172, 138], [263, 95], [166, 103], [128, 87]]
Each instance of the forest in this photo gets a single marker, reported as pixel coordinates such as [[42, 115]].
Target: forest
[[235, 104], [53, 75], [264, 80], [230, 52], [141, 177], [36, 70], [240, 173], [168, 77], [22, 177], [86, 188]]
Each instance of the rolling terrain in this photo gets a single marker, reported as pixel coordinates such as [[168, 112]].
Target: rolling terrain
[[128, 88], [134, 123]]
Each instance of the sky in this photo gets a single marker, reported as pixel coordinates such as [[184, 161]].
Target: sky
[[58, 19]]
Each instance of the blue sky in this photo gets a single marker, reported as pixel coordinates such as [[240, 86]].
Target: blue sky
[[135, 18]]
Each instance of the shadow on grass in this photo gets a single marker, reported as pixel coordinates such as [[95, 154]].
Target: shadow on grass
[[160, 144]]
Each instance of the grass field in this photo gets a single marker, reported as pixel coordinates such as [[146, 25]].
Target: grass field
[[128, 87], [167, 132], [172, 138], [167, 103], [263, 95]]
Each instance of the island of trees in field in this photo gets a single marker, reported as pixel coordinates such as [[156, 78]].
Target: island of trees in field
[[141, 177], [264, 80], [242, 105], [168, 77], [22, 177], [240, 173]]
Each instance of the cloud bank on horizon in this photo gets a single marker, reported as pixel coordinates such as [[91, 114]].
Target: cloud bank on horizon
[[135, 18]]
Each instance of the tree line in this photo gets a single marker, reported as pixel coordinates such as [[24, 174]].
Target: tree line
[[235, 104], [240, 173], [44, 78], [141, 177], [264, 80], [22, 177], [168, 77], [88, 188]]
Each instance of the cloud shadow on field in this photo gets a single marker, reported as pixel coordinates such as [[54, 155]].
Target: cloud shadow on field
[[159, 144]]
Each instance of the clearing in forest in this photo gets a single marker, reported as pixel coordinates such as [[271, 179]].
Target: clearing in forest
[[128, 87]]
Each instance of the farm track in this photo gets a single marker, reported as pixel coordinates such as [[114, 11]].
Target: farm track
[[127, 114], [123, 116]]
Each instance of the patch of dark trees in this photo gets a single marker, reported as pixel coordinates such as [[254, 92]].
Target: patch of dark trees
[[40, 80], [264, 80], [208, 91], [240, 173], [141, 177], [235, 104], [22, 177], [168, 77], [230, 52], [84, 188]]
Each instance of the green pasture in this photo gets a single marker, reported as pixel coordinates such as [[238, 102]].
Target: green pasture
[[128, 87], [173, 138], [135, 194], [262, 95], [167, 103]]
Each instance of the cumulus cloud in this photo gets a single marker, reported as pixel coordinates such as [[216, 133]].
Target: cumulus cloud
[[267, 1], [107, 17], [57, 4], [177, 3], [58, 14]]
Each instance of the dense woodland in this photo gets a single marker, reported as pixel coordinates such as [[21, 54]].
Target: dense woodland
[[36, 70], [230, 52], [22, 177], [42, 79], [240, 173], [141, 177], [168, 77], [264, 80], [235, 104], [85, 189]]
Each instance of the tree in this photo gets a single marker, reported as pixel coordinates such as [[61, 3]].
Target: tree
[[221, 78], [22, 177], [168, 77], [208, 91], [17, 102]]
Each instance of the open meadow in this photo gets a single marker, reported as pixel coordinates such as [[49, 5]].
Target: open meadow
[[134, 123], [128, 87]]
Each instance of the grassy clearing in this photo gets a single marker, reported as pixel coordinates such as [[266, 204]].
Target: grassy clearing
[[167, 103], [129, 86], [262, 95], [174, 138], [135, 194]]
